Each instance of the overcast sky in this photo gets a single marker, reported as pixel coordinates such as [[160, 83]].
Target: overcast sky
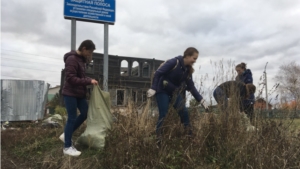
[[35, 35]]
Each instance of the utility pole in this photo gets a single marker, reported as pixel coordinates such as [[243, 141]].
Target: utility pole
[[266, 86]]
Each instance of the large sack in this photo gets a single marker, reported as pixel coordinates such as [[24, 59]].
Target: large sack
[[99, 119]]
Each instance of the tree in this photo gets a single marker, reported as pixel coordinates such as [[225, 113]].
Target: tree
[[289, 106], [288, 78], [53, 103]]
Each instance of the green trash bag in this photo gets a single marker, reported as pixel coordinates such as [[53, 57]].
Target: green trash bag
[[99, 119]]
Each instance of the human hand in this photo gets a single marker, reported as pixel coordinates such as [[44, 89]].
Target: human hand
[[94, 82], [151, 93], [204, 105]]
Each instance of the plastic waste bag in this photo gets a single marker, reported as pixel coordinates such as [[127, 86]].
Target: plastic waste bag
[[247, 123], [99, 119]]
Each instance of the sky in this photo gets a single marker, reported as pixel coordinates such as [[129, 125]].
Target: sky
[[35, 35]]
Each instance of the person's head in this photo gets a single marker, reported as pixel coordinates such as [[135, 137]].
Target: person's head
[[190, 56], [250, 89], [240, 68], [86, 49]]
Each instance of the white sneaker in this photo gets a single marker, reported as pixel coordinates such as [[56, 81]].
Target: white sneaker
[[62, 137], [251, 128], [71, 151]]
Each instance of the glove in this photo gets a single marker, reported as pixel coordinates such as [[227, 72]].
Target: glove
[[151, 93], [204, 105], [165, 83]]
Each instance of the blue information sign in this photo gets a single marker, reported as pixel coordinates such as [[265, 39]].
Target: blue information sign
[[101, 11]]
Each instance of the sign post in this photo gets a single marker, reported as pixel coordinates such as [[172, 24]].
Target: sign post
[[97, 11], [73, 34], [105, 59]]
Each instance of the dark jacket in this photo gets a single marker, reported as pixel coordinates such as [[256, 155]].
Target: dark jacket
[[177, 75], [75, 78], [234, 89], [246, 78]]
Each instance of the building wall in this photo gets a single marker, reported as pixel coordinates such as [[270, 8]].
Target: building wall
[[136, 81], [121, 96], [52, 92], [115, 79], [23, 100], [261, 105]]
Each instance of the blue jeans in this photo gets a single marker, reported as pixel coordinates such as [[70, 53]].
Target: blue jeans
[[221, 98], [163, 101], [73, 122]]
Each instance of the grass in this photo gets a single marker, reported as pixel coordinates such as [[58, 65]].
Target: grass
[[131, 144], [35, 147], [220, 141]]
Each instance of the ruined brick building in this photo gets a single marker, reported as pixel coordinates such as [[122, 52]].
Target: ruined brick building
[[128, 77]]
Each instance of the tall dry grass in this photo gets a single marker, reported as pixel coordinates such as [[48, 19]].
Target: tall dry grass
[[219, 140]]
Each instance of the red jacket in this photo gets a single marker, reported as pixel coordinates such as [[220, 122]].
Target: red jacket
[[75, 78]]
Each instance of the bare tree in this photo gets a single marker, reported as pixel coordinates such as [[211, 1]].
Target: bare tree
[[288, 78]]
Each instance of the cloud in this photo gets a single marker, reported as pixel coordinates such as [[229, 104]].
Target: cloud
[[20, 18], [254, 32]]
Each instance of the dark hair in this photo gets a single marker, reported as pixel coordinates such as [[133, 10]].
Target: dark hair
[[242, 66], [88, 44], [250, 89], [189, 52]]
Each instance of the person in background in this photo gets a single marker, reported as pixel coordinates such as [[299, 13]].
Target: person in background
[[170, 81], [236, 91], [74, 92], [245, 76]]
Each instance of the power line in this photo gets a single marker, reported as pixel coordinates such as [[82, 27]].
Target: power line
[[25, 79], [54, 59], [30, 54], [20, 52], [29, 68], [29, 61], [39, 57]]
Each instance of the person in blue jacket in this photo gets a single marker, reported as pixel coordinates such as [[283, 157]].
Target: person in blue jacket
[[245, 76], [170, 81]]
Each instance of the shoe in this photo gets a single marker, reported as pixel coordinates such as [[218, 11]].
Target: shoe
[[158, 141], [251, 128], [188, 133], [62, 137], [71, 151]]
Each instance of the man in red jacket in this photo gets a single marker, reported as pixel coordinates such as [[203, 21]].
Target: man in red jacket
[[74, 91]]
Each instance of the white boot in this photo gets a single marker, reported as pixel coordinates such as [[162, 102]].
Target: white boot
[[71, 151]]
